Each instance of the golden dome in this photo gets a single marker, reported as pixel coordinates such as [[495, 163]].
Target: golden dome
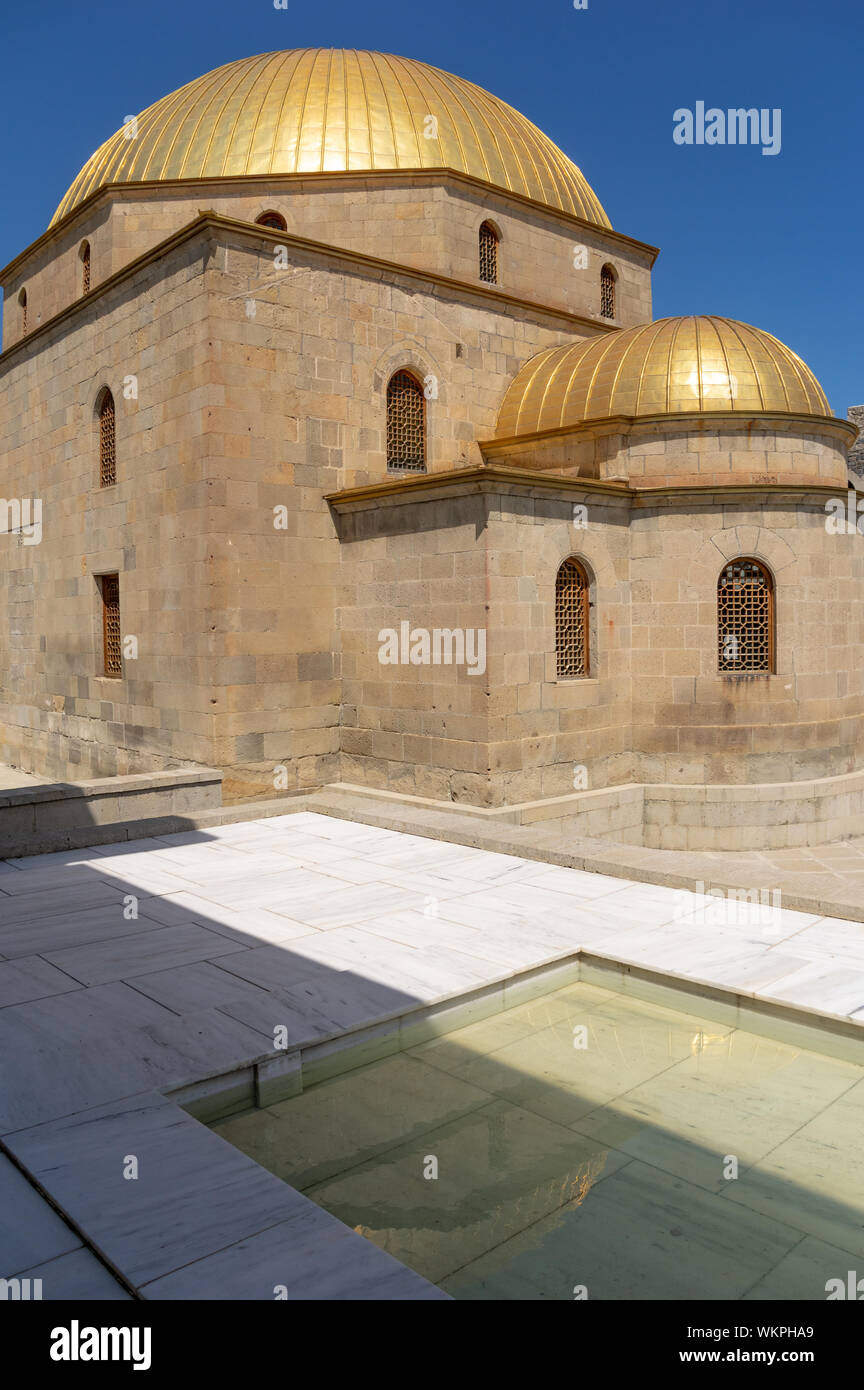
[[318, 110], [679, 366]]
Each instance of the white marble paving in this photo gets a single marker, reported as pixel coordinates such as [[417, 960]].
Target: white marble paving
[[73, 928], [249, 925], [100, 962], [320, 926], [31, 1231], [31, 977], [78, 1276], [305, 1258]]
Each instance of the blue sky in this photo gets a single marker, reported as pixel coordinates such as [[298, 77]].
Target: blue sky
[[774, 240]]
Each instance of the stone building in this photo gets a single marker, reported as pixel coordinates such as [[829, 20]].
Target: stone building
[[359, 459], [856, 453]]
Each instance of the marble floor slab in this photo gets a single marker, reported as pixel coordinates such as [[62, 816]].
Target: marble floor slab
[[31, 977], [78, 1277], [31, 1232], [312, 1256], [144, 953]]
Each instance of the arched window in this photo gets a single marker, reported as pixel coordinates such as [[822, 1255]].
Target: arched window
[[572, 628], [406, 424], [607, 292], [22, 300], [274, 220], [84, 253], [745, 618], [107, 440], [489, 254]]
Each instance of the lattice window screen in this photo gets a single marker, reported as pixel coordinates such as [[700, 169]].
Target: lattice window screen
[[107, 442], [111, 642], [745, 618], [22, 300], [85, 270], [488, 254], [274, 220], [607, 293], [406, 425], [571, 620]]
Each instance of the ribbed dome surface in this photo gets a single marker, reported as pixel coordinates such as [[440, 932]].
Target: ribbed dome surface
[[313, 110], [671, 366]]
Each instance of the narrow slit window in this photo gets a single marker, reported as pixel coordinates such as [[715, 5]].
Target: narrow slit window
[[406, 425], [572, 620], [112, 655], [22, 301], [489, 254], [85, 268], [745, 619], [607, 292], [107, 441]]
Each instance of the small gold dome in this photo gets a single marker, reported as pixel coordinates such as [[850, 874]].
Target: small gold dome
[[315, 111], [679, 366]]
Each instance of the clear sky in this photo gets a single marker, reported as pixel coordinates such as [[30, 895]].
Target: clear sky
[[771, 239]]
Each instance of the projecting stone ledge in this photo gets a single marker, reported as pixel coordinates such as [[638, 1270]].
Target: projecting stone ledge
[[37, 816]]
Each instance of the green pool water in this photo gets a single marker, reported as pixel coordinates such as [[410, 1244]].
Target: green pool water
[[567, 1170]]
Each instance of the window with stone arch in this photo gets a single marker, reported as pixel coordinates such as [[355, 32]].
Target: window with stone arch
[[84, 254], [572, 620], [22, 307], [274, 220], [745, 618], [107, 438], [406, 424], [489, 240], [607, 292]]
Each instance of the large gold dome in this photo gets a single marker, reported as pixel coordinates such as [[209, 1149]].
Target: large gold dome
[[314, 110], [669, 367]]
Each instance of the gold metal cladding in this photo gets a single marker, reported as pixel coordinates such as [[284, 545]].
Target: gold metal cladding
[[314, 110], [674, 366]]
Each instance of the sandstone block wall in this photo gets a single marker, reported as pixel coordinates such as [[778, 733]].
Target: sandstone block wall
[[301, 378], [256, 393], [654, 708], [415, 727], [431, 225], [256, 606], [692, 724], [58, 713]]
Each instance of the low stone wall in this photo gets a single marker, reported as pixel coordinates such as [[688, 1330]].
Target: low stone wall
[[58, 815], [768, 816], [775, 815]]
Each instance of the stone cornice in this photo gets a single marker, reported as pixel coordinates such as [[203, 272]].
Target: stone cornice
[[495, 478], [108, 192]]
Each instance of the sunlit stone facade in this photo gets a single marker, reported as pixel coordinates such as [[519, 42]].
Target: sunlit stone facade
[[263, 546]]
